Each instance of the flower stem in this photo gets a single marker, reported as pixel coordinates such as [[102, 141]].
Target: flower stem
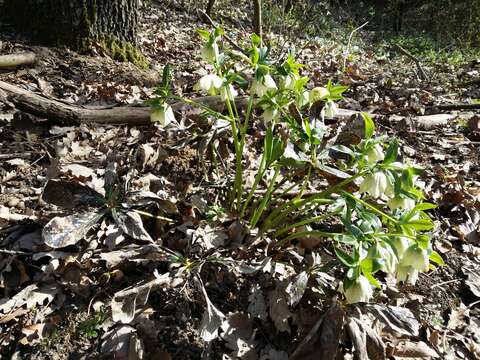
[[304, 222], [371, 207], [299, 234]]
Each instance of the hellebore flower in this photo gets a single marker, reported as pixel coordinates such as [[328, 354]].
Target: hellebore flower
[[416, 257], [389, 259], [401, 244], [330, 109], [262, 86], [270, 114], [288, 82], [164, 115], [407, 273], [375, 154], [209, 52], [318, 93], [404, 203], [375, 184], [359, 291], [210, 83]]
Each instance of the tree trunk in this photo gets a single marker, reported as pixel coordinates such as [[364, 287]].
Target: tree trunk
[[79, 24]]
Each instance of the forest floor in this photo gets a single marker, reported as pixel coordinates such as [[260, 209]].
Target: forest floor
[[113, 297]]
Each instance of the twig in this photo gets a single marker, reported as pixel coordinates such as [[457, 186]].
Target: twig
[[14, 60], [423, 74], [24, 155], [348, 44], [455, 107], [204, 15]]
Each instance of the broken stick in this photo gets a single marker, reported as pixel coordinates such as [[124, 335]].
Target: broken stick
[[14, 60]]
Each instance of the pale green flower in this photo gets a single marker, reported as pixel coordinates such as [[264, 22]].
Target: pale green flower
[[389, 258], [224, 93], [209, 52], [163, 115], [359, 291], [288, 82], [210, 83], [262, 86], [269, 115], [416, 257], [403, 203], [375, 184], [330, 109], [407, 274], [303, 99], [318, 93], [401, 244], [375, 154]]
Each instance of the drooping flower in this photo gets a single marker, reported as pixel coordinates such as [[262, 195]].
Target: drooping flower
[[261, 86], [210, 83], [389, 259], [288, 82], [318, 93], [359, 291], [330, 109], [209, 52], [403, 203], [163, 115], [416, 257], [302, 99], [401, 244], [230, 94], [375, 154], [270, 114], [407, 274], [375, 184]]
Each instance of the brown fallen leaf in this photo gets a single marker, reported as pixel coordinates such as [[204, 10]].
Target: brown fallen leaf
[[410, 349]]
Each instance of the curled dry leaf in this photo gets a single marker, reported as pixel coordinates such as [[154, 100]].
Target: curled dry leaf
[[357, 335], [296, 288], [68, 230], [278, 308], [397, 318], [410, 349], [212, 319], [130, 222], [239, 335], [122, 343], [70, 194]]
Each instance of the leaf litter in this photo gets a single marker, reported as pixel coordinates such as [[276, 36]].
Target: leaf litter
[[168, 260]]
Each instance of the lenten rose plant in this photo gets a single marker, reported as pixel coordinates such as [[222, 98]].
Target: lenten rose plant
[[372, 213]]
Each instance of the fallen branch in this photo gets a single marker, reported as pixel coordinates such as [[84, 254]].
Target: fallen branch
[[57, 110], [423, 74], [14, 60], [448, 107]]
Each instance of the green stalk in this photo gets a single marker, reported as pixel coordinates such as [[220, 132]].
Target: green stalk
[[258, 212], [304, 222], [280, 213], [371, 207], [305, 233], [258, 177]]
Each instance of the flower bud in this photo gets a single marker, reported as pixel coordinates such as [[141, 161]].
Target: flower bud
[[375, 184], [262, 86], [403, 203], [318, 93], [416, 257], [359, 291], [270, 114], [375, 154], [288, 82], [164, 115]]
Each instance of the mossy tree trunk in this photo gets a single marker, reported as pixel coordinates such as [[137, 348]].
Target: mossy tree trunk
[[79, 24]]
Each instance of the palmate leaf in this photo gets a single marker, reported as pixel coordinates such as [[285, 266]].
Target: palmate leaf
[[68, 230]]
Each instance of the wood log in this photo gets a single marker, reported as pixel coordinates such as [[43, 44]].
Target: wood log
[[57, 110], [14, 60]]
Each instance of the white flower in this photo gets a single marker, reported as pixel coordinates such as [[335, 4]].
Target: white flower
[[164, 115], [404, 203], [262, 86], [389, 258], [375, 184], [318, 93], [209, 52], [210, 83], [407, 273], [401, 244], [416, 257], [375, 154], [231, 91], [269, 115], [288, 82], [303, 99], [359, 291], [330, 109]]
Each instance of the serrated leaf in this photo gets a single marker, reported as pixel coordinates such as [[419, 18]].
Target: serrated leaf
[[436, 258], [392, 152], [345, 258], [68, 230]]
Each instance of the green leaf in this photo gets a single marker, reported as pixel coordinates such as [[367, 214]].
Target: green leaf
[[436, 258], [345, 258], [370, 278], [204, 34], [392, 152], [166, 76], [256, 40], [420, 224], [424, 206], [369, 125]]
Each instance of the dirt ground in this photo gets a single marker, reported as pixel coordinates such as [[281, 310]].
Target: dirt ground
[[66, 313]]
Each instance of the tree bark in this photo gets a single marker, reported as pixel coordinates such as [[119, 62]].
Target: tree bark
[[79, 24], [257, 17]]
